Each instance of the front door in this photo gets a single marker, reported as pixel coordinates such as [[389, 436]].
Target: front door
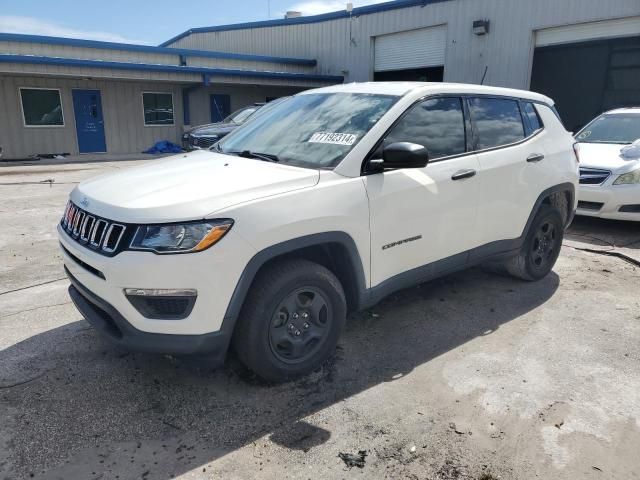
[[220, 107], [87, 107], [425, 217]]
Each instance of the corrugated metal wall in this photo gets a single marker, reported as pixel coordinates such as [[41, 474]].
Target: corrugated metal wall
[[506, 50], [123, 118], [125, 131], [128, 56], [241, 96], [70, 51], [91, 72]]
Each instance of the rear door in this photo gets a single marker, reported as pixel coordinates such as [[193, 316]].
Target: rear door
[[419, 216], [512, 159]]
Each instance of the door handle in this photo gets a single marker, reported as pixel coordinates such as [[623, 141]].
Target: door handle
[[535, 157], [463, 174]]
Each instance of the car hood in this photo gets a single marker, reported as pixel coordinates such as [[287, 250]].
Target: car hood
[[214, 129], [606, 156], [187, 187]]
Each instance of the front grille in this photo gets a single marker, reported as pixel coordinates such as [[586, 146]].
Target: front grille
[[202, 142], [96, 233], [595, 206], [593, 176]]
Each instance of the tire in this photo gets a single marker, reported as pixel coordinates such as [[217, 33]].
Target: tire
[[541, 247], [291, 320]]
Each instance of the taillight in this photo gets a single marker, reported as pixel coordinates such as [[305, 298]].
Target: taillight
[[576, 151]]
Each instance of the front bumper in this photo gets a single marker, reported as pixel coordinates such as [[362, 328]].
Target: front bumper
[[108, 321], [605, 201], [213, 273]]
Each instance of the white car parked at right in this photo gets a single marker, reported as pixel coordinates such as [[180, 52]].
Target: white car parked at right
[[610, 166]]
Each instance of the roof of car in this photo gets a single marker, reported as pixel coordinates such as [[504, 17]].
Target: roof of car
[[624, 110], [403, 88]]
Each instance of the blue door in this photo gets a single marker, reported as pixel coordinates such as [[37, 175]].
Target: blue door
[[220, 107], [87, 108]]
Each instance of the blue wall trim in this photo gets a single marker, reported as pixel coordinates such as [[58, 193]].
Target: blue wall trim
[[74, 62], [74, 42], [366, 10]]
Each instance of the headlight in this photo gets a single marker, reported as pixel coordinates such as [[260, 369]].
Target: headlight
[[628, 178], [180, 238]]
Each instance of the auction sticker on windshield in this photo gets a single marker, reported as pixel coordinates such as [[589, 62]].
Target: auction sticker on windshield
[[334, 138]]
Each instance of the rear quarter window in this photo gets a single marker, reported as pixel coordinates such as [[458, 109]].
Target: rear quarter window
[[532, 117], [498, 121]]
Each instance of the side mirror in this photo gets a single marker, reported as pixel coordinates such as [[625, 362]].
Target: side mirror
[[403, 155]]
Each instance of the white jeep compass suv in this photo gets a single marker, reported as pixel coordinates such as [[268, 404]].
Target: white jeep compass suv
[[324, 205]]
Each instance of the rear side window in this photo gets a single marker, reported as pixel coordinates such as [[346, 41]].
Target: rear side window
[[498, 121], [437, 124], [532, 117]]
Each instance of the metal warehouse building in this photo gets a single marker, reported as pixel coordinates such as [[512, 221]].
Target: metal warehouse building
[[76, 96]]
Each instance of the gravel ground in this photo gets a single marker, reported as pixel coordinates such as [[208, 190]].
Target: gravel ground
[[473, 376]]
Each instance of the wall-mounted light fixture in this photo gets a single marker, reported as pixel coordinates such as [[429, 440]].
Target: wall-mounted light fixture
[[481, 27]]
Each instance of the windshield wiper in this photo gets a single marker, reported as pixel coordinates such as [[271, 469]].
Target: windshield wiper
[[267, 157]]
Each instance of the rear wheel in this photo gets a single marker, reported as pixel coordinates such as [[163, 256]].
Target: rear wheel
[[541, 248], [291, 320]]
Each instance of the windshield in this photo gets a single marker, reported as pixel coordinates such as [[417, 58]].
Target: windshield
[[612, 128], [240, 116], [314, 130]]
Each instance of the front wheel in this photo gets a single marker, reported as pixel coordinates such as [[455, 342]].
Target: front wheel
[[291, 320], [541, 247]]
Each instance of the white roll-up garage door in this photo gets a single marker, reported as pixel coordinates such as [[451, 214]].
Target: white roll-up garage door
[[411, 49], [582, 32]]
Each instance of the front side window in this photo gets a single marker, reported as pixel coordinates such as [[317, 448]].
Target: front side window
[[315, 130], [437, 124], [497, 120], [612, 128], [41, 107], [158, 108]]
